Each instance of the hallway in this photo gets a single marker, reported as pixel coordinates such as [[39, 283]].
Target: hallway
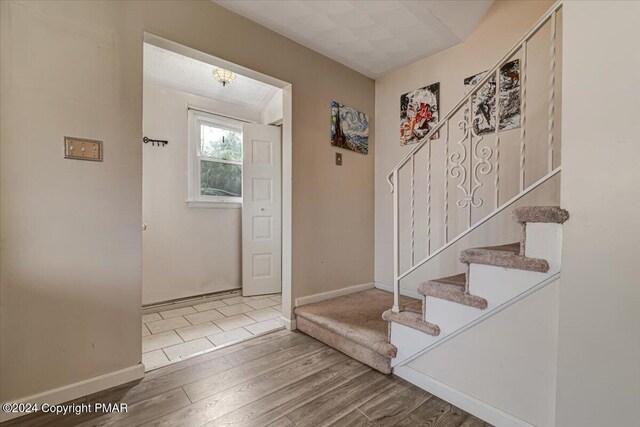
[[174, 332]]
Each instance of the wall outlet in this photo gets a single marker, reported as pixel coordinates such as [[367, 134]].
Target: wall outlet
[[82, 149], [339, 159]]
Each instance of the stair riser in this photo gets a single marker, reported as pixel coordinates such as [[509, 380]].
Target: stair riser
[[450, 316], [498, 285], [411, 340], [544, 241]]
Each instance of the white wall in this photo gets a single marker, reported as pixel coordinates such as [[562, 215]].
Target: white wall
[[71, 259], [186, 251], [502, 26], [599, 350], [508, 361]]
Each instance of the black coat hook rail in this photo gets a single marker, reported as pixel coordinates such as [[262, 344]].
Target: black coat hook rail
[[155, 141]]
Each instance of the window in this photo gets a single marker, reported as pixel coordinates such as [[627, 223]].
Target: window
[[215, 161]]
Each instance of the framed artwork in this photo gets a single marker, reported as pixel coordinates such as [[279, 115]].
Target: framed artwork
[[419, 113], [349, 128], [484, 101]]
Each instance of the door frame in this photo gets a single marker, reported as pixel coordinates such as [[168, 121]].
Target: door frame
[[287, 154]]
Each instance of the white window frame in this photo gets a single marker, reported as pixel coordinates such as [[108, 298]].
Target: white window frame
[[195, 199]]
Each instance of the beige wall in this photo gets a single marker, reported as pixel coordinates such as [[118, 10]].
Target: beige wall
[[70, 260], [71, 241], [599, 349], [185, 251], [503, 25]]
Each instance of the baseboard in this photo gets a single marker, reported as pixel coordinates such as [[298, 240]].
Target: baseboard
[[333, 294], [289, 324], [191, 300], [470, 404], [405, 292], [82, 388]]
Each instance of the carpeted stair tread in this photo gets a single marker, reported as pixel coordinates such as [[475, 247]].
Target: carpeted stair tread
[[452, 289], [355, 317], [509, 247], [412, 320], [352, 349], [459, 280], [551, 214], [507, 256]]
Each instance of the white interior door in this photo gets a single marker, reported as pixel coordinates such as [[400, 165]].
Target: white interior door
[[261, 210]]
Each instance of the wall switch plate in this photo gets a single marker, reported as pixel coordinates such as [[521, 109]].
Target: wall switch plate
[[339, 159], [82, 149]]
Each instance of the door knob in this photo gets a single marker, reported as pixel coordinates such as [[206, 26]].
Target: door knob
[[144, 227]]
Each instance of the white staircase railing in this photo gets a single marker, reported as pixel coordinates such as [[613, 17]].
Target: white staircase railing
[[473, 161]]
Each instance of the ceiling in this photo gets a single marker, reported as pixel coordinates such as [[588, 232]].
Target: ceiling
[[373, 37], [189, 75]]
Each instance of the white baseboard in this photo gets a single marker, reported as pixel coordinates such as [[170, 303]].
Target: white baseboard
[[333, 294], [82, 388], [470, 404], [406, 292], [289, 324]]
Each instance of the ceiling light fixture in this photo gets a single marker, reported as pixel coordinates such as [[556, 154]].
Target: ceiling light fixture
[[224, 76]]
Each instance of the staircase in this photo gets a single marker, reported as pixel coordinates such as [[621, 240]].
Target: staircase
[[495, 277], [492, 277], [361, 325]]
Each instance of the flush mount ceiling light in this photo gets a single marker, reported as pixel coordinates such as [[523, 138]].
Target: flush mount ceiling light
[[224, 76]]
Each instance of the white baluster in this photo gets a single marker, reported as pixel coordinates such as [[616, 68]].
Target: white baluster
[[552, 91], [523, 113], [429, 200], [446, 186], [413, 192], [468, 195], [497, 142], [396, 242]]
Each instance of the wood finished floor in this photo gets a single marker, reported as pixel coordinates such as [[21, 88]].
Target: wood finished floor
[[281, 379]]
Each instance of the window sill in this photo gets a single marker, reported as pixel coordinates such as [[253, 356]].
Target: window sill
[[213, 205]]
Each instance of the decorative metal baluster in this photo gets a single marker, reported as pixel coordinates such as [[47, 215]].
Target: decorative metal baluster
[[429, 200], [552, 91], [413, 193], [446, 186], [458, 169], [469, 197], [497, 142], [483, 166], [479, 164], [523, 113], [478, 155]]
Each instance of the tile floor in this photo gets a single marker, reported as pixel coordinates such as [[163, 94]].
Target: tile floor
[[173, 333]]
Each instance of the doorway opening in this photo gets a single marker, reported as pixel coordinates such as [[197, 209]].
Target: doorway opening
[[216, 203]]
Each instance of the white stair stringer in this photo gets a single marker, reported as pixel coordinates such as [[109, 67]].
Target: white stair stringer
[[500, 286]]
